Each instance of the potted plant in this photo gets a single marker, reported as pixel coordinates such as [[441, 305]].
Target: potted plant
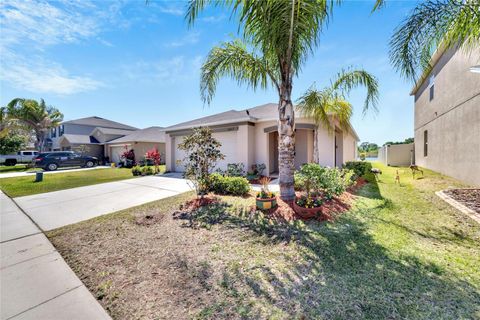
[[265, 198], [308, 205]]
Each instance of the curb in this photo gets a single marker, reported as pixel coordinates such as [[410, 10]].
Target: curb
[[457, 205]]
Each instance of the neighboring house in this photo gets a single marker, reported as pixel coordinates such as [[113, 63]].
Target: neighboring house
[[250, 137], [140, 141], [447, 115], [86, 134]]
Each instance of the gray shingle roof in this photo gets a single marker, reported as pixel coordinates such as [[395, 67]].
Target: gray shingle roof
[[100, 122], [151, 134], [266, 111], [114, 131], [79, 139]]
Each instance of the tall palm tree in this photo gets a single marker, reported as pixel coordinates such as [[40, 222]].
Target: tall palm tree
[[278, 36], [36, 116], [431, 25], [328, 107]]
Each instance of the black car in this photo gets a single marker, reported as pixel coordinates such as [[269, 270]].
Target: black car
[[51, 161]]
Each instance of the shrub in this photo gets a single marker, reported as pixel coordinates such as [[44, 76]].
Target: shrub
[[334, 181], [308, 177], [146, 171], [136, 170], [237, 186], [202, 154], [313, 178], [128, 157], [235, 170], [153, 156], [359, 167], [258, 168]]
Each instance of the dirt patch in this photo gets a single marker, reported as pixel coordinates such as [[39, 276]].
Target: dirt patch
[[470, 198]]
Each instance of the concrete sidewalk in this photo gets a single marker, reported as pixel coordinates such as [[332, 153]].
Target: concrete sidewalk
[[31, 172], [36, 283], [56, 209]]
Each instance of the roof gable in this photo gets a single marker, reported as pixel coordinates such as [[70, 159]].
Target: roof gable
[[100, 122]]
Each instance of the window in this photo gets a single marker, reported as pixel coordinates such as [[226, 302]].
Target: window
[[425, 143], [431, 84], [27, 153], [53, 132], [61, 130]]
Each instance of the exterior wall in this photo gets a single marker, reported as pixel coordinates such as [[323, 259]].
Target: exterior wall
[[396, 154], [140, 149], [452, 118], [245, 146], [326, 145], [349, 147], [252, 145]]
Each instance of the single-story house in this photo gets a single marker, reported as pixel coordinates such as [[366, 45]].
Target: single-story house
[[250, 137], [140, 141]]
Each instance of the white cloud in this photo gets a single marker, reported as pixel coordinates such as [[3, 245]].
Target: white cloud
[[190, 38], [29, 28], [166, 71], [173, 10], [213, 19]]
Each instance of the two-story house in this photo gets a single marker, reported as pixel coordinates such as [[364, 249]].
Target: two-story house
[[447, 115], [89, 134], [104, 138]]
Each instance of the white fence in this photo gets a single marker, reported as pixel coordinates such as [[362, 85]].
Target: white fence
[[397, 154]]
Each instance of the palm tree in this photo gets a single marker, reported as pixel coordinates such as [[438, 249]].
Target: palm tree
[[278, 36], [431, 25], [328, 107], [36, 116]]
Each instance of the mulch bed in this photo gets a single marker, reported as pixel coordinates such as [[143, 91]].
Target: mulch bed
[[470, 198]]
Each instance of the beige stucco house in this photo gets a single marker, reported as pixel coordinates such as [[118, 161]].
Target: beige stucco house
[[140, 141], [250, 137], [447, 115]]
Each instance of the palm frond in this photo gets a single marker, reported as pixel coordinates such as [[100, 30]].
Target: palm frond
[[314, 104], [432, 24], [349, 79], [234, 60]]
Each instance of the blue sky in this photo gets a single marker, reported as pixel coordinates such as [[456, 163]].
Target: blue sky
[[139, 64]]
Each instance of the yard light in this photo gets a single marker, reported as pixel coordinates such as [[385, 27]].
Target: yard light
[[475, 69]]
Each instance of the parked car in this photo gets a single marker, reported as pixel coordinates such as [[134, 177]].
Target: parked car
[[20, 157], [51, 161]]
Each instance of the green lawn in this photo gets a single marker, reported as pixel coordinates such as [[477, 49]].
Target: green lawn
[[400, 252], [23, 186], [16, 168]]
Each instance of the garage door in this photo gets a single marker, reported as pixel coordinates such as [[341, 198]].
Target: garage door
[[116, 153], [228, 148]]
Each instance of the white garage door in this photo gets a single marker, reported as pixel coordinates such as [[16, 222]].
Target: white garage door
[[116, 153], [228, 148]]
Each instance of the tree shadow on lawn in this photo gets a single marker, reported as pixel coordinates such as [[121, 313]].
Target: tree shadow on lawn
[[323, 270]]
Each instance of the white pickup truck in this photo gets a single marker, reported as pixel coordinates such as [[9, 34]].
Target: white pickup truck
[[20, 157]]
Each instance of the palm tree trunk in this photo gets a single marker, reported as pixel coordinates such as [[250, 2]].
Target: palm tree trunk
[[315, 145], [286, 144]]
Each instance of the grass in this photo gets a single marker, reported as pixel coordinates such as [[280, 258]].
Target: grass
[[23, 186], [16, 168], [399, 253]]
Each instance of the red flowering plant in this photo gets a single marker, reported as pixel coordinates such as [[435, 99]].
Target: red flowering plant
[[154, 156], [128, 157]]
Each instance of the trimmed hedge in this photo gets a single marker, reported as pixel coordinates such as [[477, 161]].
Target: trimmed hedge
[[237, 186], [359, 167]]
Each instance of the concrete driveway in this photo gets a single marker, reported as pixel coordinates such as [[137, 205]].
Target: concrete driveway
[[56, 209]]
